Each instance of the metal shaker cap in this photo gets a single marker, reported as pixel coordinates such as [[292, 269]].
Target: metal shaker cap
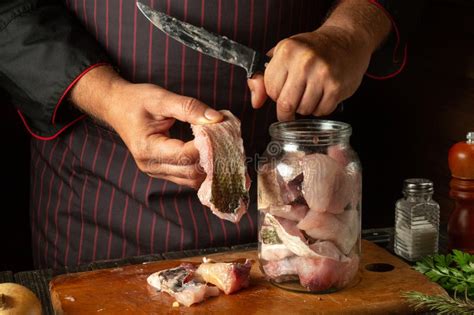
[[418, 185], [470, 137]]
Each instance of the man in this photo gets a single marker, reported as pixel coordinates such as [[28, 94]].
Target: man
[[109, 100]]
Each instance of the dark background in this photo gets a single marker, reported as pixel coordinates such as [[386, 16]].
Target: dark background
[[402, 127]]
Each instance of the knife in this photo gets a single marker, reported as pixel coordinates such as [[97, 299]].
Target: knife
[[216, 46], [199, 39]]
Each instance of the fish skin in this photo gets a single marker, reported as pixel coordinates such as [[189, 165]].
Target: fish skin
[[221, 154]]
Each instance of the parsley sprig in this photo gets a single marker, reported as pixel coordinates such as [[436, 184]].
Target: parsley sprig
[[454, 272]]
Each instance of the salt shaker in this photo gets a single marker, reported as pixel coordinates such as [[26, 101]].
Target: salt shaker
[[416, 220]]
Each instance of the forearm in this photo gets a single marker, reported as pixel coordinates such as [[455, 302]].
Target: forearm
[[361, 19]]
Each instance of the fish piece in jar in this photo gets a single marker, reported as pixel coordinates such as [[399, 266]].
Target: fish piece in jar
[[326, 186], [274, 251], [342, 229], [280, 270], [320, 273], [295, 212]]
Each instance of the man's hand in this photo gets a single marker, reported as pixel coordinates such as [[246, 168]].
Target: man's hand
[[142, 115], [310, 73]]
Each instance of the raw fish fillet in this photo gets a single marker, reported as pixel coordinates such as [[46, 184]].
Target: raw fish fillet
[[226, 187], [326, 186], [229, 277], [342, 229]]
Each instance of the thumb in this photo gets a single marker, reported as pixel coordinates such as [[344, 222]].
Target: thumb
[[257, 88], [190, 110]]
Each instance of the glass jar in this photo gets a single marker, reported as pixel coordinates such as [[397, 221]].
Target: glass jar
[[309, 201], [416, 220]]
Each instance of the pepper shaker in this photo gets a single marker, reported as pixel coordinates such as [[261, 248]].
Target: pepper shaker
[[416, 220], [461, 220]]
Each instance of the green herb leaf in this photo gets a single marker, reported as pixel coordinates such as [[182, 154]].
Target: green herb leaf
[[454, 272]]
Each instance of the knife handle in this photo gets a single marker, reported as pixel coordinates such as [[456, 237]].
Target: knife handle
[[259, 64]]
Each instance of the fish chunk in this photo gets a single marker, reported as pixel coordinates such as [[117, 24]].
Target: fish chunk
[[229, 277], [355, 178], [294, 212], [326, 186], [289, 235], [194, 293], [342, 229], [340, 153], [273, 190], [320, 274], [314, 273], [291, 191], [172, 279], [274, 251], [280, 270], [269, 191], [179, 282], [221, 154], [290, 166], [327, 249]]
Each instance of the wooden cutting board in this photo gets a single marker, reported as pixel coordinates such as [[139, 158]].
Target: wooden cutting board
[[125, 291]]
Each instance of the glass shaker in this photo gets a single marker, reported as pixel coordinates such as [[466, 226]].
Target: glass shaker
[[416, 220], [309, 201]]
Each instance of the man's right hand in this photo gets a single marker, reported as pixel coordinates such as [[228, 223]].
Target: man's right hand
[[142, 115]]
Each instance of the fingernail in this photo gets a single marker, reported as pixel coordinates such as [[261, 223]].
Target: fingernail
[[252, 97], [212, 114]]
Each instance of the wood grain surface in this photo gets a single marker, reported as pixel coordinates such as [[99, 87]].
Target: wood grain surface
[[125, 291]]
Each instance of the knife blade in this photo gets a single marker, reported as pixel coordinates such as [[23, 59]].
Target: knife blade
[[203, 41]]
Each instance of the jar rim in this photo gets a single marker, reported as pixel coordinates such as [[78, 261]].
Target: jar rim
[[311, 131]]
